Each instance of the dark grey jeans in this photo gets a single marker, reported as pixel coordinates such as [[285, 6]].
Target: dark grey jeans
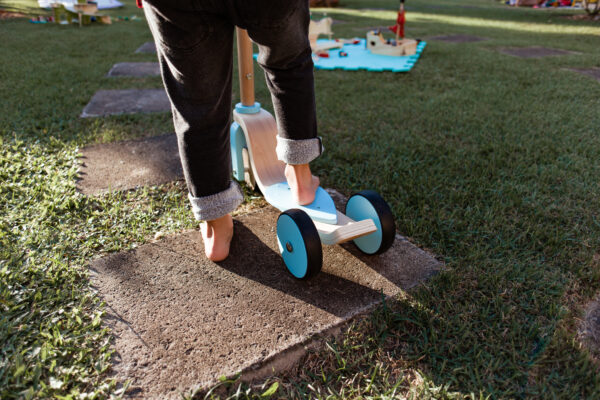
[[194, 41]]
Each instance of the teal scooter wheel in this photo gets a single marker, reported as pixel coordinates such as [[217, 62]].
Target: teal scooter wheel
[[368, 204], [299, 243]]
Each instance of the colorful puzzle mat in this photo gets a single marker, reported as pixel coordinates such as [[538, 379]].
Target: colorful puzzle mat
[[361, 58]]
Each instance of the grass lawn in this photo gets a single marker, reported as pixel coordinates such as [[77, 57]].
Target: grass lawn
[[487, 160]]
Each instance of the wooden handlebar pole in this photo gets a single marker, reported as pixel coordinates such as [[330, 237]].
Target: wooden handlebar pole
[[246, 67]]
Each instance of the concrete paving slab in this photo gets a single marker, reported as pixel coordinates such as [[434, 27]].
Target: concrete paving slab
[[591, 72], [534, 52], [181, 321], [128, 101], [459, 38], [135, 69], [148, 47], [129, 164]]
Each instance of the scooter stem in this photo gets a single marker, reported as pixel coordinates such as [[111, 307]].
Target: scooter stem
[[245, 67]]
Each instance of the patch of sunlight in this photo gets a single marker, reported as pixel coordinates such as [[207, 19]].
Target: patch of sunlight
[[414, 16], [508, 25]]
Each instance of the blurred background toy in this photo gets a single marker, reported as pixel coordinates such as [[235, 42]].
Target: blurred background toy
[[84, 12], [322, 27], [398, 29], [400, 46], [377, 44]]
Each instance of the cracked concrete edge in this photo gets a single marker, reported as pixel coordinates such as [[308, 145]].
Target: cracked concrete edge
[[286, 359]]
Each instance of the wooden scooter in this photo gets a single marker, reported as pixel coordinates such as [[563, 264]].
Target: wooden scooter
[[367, 220]]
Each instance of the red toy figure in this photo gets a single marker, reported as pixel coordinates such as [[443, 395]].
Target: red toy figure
[[398, 29]]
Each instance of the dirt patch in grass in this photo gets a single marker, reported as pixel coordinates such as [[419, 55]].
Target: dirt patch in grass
[[589, 328], [591, 72], [534, 52], [459, 38], [10, 15], [583, 17]]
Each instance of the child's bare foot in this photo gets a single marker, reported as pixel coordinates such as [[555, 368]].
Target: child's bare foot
[[302, 183], [217, 235]]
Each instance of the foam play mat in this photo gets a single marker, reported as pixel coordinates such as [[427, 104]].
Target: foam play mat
[[102, 4], [358, 57]]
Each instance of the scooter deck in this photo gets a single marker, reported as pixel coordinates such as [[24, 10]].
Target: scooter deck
[[260, 132], [321, 209]]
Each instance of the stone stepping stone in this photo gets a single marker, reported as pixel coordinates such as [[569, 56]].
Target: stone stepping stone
[[181, 321], [591, 72], [130, 164], [128, 101], [135, 69], [533, 52], [148, 47], [459, 38]]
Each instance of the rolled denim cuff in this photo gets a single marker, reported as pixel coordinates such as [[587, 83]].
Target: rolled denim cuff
[[298, 151], [217, 205]]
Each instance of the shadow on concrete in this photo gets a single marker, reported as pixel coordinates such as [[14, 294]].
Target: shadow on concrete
[[334, 294]]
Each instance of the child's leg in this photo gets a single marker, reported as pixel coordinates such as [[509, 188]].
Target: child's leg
[[195, 51], [286, 58]]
